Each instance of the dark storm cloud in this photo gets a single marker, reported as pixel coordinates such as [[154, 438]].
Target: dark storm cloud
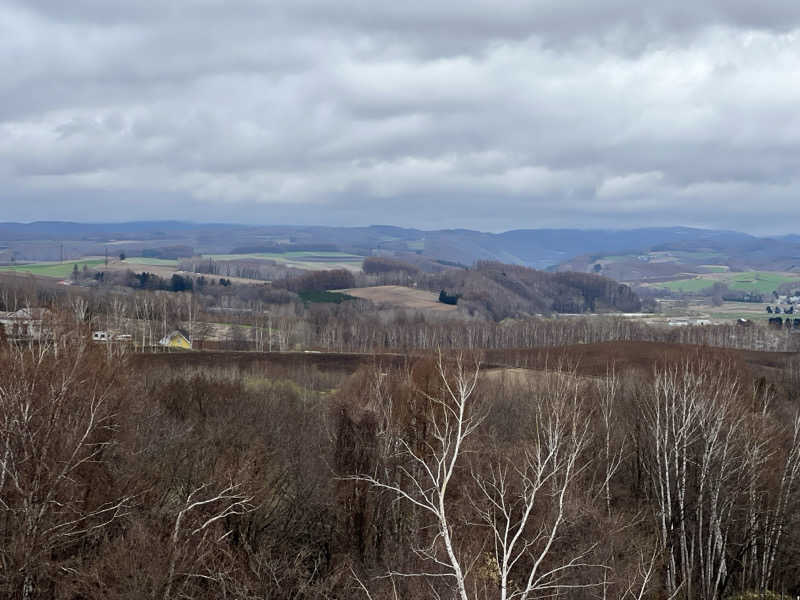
[[432, 114]]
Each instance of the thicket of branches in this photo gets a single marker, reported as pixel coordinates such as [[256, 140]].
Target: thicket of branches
[[433, 479], [119, 484], [319, 281]]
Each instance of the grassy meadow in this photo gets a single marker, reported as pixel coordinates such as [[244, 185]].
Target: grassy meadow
[[763, 282], [54, 269]]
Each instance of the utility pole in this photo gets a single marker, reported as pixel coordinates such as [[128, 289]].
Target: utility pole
[[106, 255], [62, 253]]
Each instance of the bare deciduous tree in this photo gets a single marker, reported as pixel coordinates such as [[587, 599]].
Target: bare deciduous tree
[[57, 417], [520, 500]]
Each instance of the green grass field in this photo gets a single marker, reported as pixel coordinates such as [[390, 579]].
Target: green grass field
[[759, 281], [54, 269], [683, 256], [763, 282], [715, 268]]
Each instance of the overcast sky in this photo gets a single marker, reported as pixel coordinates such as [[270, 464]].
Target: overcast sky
[[425, 113]]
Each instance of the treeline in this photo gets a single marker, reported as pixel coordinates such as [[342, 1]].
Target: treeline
[[428, 479], [501, 291], [350, 327], [278, 318], [283, 248], [318, 281], [498, 291], [168, 252], [374, 265], [264, 270]]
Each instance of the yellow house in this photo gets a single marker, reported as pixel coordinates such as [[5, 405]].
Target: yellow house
[[176, 339]]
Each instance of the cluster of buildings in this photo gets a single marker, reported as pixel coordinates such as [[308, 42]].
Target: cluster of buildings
[[33, 324], [175, 339]]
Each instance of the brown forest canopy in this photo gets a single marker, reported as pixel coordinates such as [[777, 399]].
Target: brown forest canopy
[[500, 291], [319, 281], [127, 481], [379, 264]]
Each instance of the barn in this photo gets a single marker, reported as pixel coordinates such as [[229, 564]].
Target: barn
[[176, 339]]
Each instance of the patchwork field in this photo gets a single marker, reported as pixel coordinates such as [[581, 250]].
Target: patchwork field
[[401, 297], [61, 270], [763, 282], [301, 260]]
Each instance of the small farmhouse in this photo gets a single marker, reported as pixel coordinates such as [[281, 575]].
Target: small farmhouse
[[176, 339], [25, 323]]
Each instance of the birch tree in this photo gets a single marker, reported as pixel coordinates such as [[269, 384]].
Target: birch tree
[[695, 424], [518, 507], [57, 425], [512, 490]]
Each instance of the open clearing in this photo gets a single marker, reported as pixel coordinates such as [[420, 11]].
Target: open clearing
[[763, 282], [61, 270], [313, 261], [401, 297], [153, 262]]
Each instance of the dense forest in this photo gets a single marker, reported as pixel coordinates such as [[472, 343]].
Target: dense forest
[[416, 476]]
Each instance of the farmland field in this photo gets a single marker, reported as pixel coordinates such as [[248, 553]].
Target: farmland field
[[301, 260], [155, 262], [401, 297], [54, 269], [715, 268], [763, 282]]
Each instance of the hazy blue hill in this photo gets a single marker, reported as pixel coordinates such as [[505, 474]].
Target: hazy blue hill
[[539, 248]]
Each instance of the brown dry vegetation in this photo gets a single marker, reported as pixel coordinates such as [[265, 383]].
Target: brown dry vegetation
[[295, 474], [401, 297], [229, 474]]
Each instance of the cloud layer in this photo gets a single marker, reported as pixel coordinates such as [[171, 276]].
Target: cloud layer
[[427, 114]]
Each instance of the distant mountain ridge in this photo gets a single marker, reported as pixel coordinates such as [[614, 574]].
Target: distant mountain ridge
[[538, 248]]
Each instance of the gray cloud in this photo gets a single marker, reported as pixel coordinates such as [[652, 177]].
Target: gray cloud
[[428, 114]]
